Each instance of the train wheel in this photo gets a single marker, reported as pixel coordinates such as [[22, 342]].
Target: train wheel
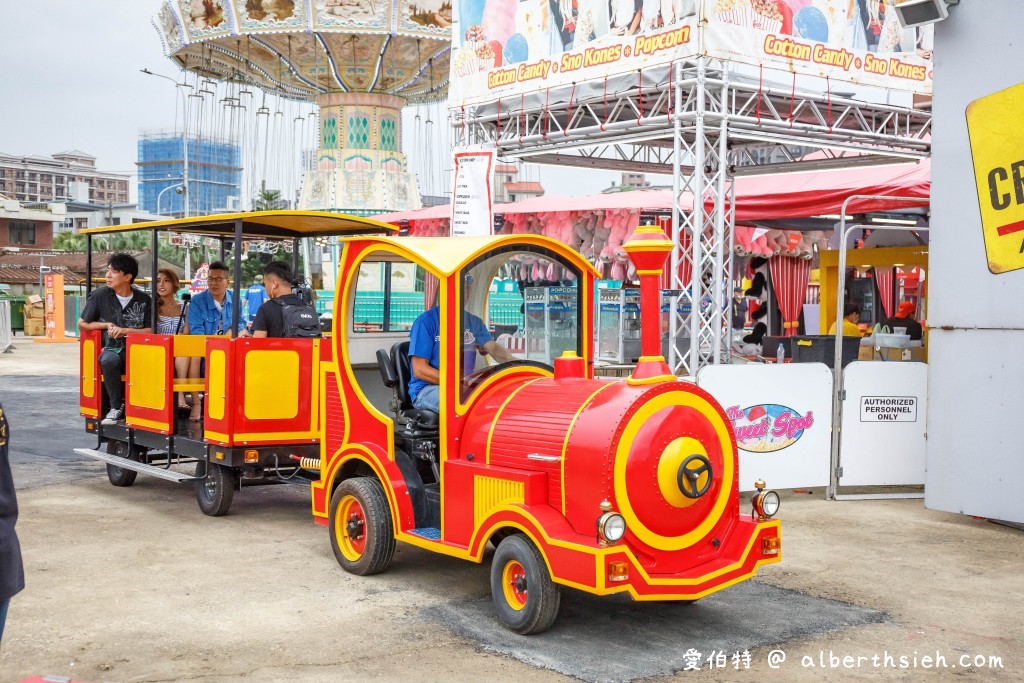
[[526, 598], [215, 492], [362, 536], [119, 476]]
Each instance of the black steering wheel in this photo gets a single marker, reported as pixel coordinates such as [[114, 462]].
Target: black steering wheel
[[477, 377], [687, 478]]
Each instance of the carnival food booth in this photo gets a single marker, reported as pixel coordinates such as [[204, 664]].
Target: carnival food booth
[[764, 115]]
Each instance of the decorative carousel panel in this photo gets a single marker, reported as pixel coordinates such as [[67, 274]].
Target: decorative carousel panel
[[255, 16], [350, 14], [168, 25], [205, 19], [430, 17]]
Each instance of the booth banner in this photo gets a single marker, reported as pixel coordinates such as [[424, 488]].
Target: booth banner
[[507, 48], [857, 41], [472, 198], [883, 436], [781, 416]]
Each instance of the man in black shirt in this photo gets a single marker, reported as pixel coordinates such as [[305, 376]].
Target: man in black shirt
[[286, 314], [905, 318], [118, 309], [739, 310], [12, 573]]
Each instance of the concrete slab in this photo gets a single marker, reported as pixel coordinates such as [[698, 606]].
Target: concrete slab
[[614, 639]]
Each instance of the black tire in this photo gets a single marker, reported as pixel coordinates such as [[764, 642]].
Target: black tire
[[530, 603], [362, 536], [120, 476], [215, 492]]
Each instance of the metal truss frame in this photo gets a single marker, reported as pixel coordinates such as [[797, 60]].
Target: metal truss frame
[[704, 123]]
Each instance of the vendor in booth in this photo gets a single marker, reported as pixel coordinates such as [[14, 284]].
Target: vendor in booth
[[905, 318], [851, 316]]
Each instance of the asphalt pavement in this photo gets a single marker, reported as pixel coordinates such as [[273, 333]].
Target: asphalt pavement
[[45, 428]]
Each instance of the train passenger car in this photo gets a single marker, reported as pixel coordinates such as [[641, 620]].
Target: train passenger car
[[261, 409], [627, 486]]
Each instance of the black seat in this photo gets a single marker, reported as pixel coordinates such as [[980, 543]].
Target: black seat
[[396, 371]]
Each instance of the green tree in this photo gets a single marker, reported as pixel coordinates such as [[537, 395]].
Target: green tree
[[69, 241], [269, 200]]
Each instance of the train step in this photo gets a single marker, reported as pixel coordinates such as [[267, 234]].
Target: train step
[[144, 468]]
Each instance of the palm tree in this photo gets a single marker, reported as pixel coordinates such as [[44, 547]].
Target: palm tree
[[69, 241]]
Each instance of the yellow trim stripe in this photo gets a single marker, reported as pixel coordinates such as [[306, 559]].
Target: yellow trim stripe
[[152, 424], [568, 433]]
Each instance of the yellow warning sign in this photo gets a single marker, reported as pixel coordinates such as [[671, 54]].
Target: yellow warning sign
[[997, 145]]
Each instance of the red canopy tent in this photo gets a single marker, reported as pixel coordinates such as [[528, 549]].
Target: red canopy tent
[[768, 197]]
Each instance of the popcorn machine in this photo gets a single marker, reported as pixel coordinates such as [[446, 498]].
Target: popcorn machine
[[551, 314], [618, 326]]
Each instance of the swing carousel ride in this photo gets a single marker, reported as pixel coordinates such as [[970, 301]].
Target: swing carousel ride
[[359, 61]]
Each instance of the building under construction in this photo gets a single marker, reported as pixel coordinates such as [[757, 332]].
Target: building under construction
[[214, 174]]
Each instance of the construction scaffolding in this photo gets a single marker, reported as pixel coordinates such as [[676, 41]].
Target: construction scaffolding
[[213, 177]]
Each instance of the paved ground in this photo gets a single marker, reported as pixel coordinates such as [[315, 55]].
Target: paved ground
[[137, 585]]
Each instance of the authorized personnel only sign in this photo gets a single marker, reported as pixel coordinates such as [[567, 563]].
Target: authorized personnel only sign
[[997, 145], [888, 409]]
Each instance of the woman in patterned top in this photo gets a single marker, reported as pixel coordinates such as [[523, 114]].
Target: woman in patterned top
[[172, 318]]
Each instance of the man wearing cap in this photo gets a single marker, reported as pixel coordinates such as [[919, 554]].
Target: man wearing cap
[[905, 318], [254, 298], [739, 310]]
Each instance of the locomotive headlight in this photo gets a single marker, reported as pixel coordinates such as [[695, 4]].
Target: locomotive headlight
[[611, 527], [765, 503]]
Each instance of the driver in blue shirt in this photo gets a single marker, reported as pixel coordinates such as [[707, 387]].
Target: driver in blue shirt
[[425, 354]]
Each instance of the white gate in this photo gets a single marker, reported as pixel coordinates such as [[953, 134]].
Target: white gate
[[882, 442]]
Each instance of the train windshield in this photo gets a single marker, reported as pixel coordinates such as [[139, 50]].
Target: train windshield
[[526, 300]]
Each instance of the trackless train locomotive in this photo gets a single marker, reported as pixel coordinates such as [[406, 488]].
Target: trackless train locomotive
[[606, 486]]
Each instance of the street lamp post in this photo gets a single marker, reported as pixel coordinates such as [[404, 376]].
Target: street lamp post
[[181, 189], [184, 138]]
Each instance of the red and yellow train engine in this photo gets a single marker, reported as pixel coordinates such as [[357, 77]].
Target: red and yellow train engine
[[606, 486]]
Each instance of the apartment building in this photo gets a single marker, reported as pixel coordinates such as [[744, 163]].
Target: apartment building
[[47, 179]]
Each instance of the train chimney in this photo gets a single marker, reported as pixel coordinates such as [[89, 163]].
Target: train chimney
[[649, 248]]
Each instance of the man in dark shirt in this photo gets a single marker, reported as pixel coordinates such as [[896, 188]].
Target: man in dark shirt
[[285, 314], [12, 573], [739, 310], [118, 309], [905, 318]]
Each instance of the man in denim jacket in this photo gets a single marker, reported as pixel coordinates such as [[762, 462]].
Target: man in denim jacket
[[210, 312]]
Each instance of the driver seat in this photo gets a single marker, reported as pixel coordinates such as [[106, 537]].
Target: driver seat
[[396, 371]]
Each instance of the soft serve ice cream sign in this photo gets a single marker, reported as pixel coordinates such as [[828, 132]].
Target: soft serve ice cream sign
[[768, 427]]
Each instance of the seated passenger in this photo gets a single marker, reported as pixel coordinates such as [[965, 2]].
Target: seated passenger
[[118, 309], [172, 318], [285, 314], [425, 354], [210, 311]]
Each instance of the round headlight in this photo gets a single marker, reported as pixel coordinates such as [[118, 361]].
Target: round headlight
[[611, 526], [770, 504]]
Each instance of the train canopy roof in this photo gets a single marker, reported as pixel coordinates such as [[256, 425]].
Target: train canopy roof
[[447, 255], [260, 224]]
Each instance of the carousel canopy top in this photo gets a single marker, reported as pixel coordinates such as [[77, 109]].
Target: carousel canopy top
[[303, 48]]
